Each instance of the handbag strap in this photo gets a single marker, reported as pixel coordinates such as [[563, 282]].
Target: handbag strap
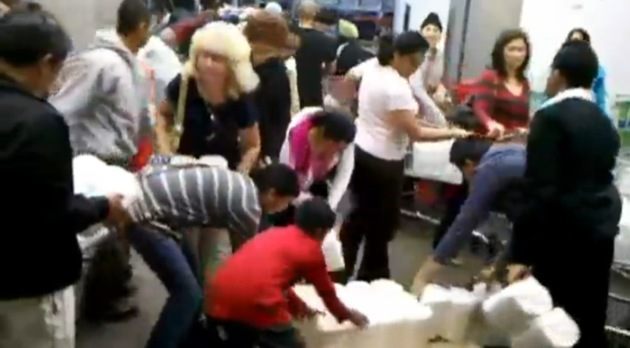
[[181, 103]]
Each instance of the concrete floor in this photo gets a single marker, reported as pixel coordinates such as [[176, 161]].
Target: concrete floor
[[407, 251]]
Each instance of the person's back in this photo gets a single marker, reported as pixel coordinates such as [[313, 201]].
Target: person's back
[[316, 49], [351, 55], [99, 91]]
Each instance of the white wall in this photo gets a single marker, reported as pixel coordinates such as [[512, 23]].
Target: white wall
[[419, 10], [82, 18], [608, 21]]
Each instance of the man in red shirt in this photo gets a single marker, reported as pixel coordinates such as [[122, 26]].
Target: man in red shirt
[[250, 301]]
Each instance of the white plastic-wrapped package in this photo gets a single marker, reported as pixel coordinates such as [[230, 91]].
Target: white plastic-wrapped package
[[396, 318], [554, 329], [430, 160], [333, 253], [512, 309], [452, 310]]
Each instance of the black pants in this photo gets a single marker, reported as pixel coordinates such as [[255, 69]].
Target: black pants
[[578, 277], [230, 334], [108, 278], [376, 187]]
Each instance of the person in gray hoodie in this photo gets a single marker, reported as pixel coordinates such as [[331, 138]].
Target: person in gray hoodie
[[101, 96]]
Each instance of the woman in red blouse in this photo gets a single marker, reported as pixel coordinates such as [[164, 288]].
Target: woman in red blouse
[[502, 95]]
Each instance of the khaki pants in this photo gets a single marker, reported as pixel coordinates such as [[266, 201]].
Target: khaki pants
[[40, 322], [210, 247]]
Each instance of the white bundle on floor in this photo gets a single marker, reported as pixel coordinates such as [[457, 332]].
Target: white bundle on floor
[[452, 310], [512, 309], [396, 318], [554, 329]]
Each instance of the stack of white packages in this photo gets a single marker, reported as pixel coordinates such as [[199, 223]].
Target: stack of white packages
[[554, 329], [524, 311], [512, 309], [453, 310], [396, 318]]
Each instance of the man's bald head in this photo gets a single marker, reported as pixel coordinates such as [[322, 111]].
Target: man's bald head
[[308, 10]]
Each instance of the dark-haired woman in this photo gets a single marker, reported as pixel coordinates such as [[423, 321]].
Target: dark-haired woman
[[386, 123], [599, 85], [319, 147], [501, 100]]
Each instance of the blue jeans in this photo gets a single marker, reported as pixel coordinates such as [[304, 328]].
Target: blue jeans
[[165, 258]]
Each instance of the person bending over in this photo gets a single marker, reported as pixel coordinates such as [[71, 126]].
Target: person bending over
[[175, 197], [493, 173], [250, 300]]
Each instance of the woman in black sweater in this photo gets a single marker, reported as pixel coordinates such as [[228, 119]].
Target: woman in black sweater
[[268, 35], [565, 234]]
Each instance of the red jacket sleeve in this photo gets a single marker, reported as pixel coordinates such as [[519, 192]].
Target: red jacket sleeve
[[316, 274], [485, 93]]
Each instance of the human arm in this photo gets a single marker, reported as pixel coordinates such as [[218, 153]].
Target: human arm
[[314, 272], [249, 135], [431, 112], [47, 166], [293, 83], [340, 183], [484, 189], [405, 120]]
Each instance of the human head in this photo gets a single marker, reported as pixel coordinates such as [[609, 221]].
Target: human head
[[466, 154], [431, 29], [33, 46], [307, 11], [348, 30], [133, 23], [268, 35], [385, 53], [574, 66], [325, 19], [221, 56], [277, 187], [409, 50], [579, 34], [331, 132], [273, 7], [511, 53], [315, 217]]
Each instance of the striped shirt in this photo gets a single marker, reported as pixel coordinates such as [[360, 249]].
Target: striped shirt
[[197, 195]]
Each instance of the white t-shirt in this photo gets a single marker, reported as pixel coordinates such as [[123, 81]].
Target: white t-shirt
[[383, 90]]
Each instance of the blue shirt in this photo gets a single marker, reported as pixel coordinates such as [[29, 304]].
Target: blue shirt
[[497, 168]]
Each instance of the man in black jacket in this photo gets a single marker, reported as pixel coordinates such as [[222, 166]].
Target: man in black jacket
[[567, 230], [40, 258]]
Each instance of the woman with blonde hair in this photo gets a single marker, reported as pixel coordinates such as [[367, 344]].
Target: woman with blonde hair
[[209, 109]]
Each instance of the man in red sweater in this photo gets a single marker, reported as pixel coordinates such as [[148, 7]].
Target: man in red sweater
[[250, 301]]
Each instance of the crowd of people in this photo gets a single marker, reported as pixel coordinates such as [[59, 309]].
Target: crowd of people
[[255, 91]]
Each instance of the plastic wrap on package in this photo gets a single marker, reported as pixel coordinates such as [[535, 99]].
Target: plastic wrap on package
[[333, 252], [512, 309], [430, 160], [554, 329], [396, 318], [452, 310]]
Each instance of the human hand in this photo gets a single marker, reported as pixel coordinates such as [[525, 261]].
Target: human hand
[[425, 275], [358, 319], [495, 130], [516, 272], [460, 133], [118, 216]]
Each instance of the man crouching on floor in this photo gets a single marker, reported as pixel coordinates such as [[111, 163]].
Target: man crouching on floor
[[250, 301]]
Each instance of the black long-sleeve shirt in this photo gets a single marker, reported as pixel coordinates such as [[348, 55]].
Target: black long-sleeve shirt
[[273, 103], [570, 195], [40, 214]]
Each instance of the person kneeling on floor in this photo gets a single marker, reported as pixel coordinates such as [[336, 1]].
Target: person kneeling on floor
[[250, 301]]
